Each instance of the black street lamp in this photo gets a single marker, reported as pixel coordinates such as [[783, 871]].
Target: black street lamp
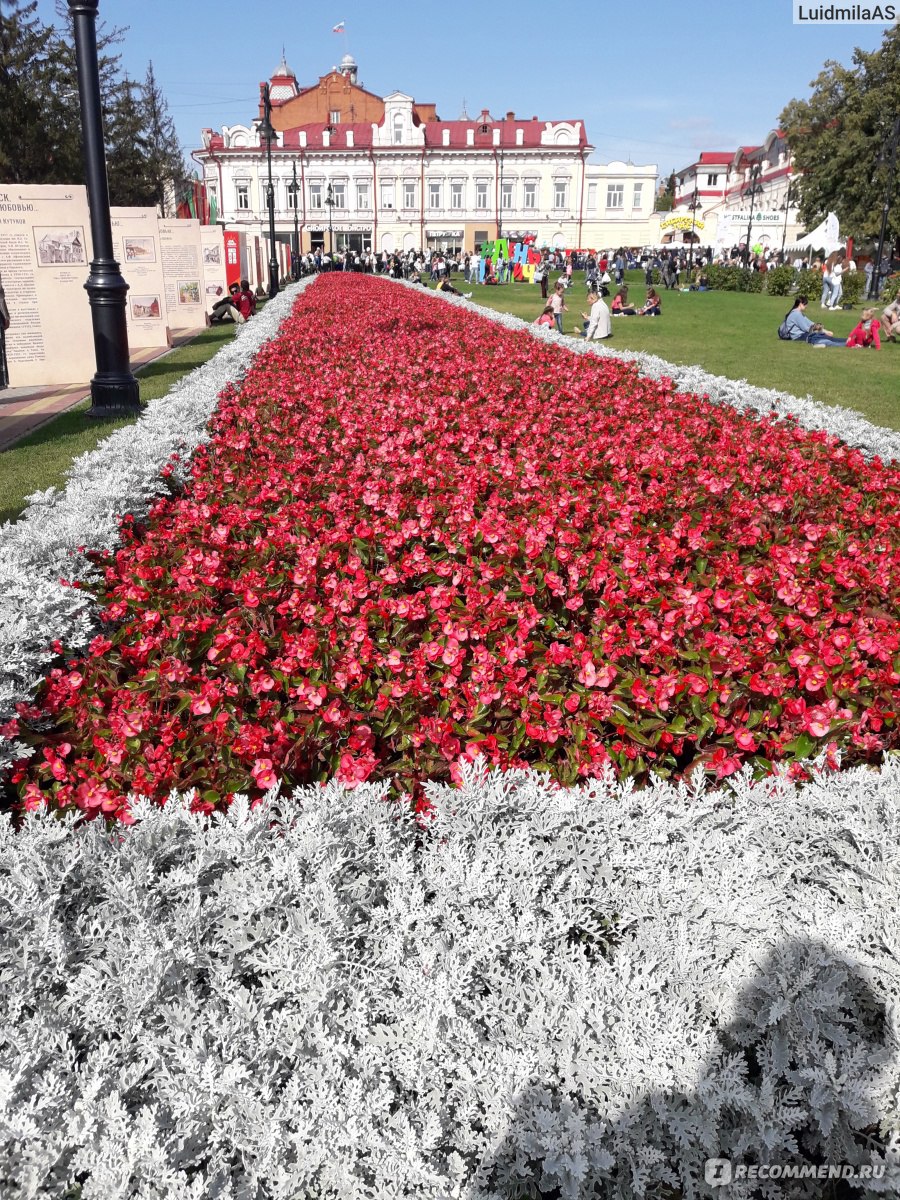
[[889, 153], [329, 200], [113, 388], [267, 134], [786, 208], [294, 189], [693, 207], [755, 189]]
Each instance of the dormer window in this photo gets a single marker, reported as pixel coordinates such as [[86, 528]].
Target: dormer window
[[334, 116], [398, 129], [485, 129]]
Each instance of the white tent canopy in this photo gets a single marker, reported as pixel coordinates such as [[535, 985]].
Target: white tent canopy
[[826, 236]]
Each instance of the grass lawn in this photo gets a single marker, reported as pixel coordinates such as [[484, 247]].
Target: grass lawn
[[734, 334], [41, 459]]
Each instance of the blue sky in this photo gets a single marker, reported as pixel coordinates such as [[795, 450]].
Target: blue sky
[[654, 80]]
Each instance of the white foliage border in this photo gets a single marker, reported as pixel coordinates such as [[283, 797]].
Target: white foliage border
[[121, 475], [846, 423], [311, 999]]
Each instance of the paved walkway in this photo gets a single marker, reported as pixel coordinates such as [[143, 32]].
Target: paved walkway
[[22, 410]]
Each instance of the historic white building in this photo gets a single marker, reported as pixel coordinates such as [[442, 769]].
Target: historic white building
[[398, 177], [716, 191]]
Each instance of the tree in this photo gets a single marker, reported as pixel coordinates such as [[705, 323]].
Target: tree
[[165, 161], [127, 148], [25, 131], [837, 138], [665, 197]]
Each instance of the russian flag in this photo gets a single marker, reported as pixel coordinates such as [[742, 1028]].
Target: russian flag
[[339, 28]]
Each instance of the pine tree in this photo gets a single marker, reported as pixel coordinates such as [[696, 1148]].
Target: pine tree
[[165, 161], [24, 75], [127, 149], [665, 199]]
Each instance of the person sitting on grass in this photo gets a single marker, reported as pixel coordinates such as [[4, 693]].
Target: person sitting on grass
[[547, 317], [800, 328], [446, 286], [867, 332], [227, 309], [620, 305], [890, 320], [597, 323], [652, 305]]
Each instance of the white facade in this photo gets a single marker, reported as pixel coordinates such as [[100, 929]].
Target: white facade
[[402, 182]]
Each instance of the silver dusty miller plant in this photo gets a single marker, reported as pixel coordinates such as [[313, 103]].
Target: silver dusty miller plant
[[546, 993]]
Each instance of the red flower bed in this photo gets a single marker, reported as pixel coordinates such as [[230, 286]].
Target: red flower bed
[[415, 535]]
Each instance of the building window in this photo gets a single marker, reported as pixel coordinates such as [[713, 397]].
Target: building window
[[334, 116], [456, 190], [315, 195], [434, 194], [506, 193], [481, 193], [712, 180], [592, 197], [398, 129], [409, 194], [339, 195], [292, 195], [636, 196], [362, 195], [560, 194], [387, 193], [530, 193], [615, 195], [243, 195]]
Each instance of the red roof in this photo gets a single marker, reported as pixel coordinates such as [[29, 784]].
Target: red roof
[[361, 130], [531, 133], [715, 156]]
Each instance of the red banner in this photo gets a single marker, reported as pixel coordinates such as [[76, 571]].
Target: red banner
[[232, 257]]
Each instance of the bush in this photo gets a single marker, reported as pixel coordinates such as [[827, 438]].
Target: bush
[[780, 280], [752, 281], [891, 289], [547, 992], [809, 283], [723, 278], [854, 286]]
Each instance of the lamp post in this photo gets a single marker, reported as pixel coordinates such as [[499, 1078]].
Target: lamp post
[[294, 189], [694, 207], [267, 134], [329, 201], [788, 201], [113, 387], [890, 152], [755, 189]]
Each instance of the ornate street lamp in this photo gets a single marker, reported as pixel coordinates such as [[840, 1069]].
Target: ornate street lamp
[[113, 388], [267, 134], [693, 207], [786, 208], [755, 189], [294, 189], [329, 200]]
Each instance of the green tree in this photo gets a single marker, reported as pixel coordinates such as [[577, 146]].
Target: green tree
[[25, 133], [838, 137], [127, 148], [165, 171], [665, 197]]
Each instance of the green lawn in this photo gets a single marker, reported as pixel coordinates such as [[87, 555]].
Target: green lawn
[[734, 334], [41, 459]]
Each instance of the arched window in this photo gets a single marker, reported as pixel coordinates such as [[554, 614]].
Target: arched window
[[398, 129]]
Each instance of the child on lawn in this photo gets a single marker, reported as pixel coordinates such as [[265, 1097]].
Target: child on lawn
[[867, 332]]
